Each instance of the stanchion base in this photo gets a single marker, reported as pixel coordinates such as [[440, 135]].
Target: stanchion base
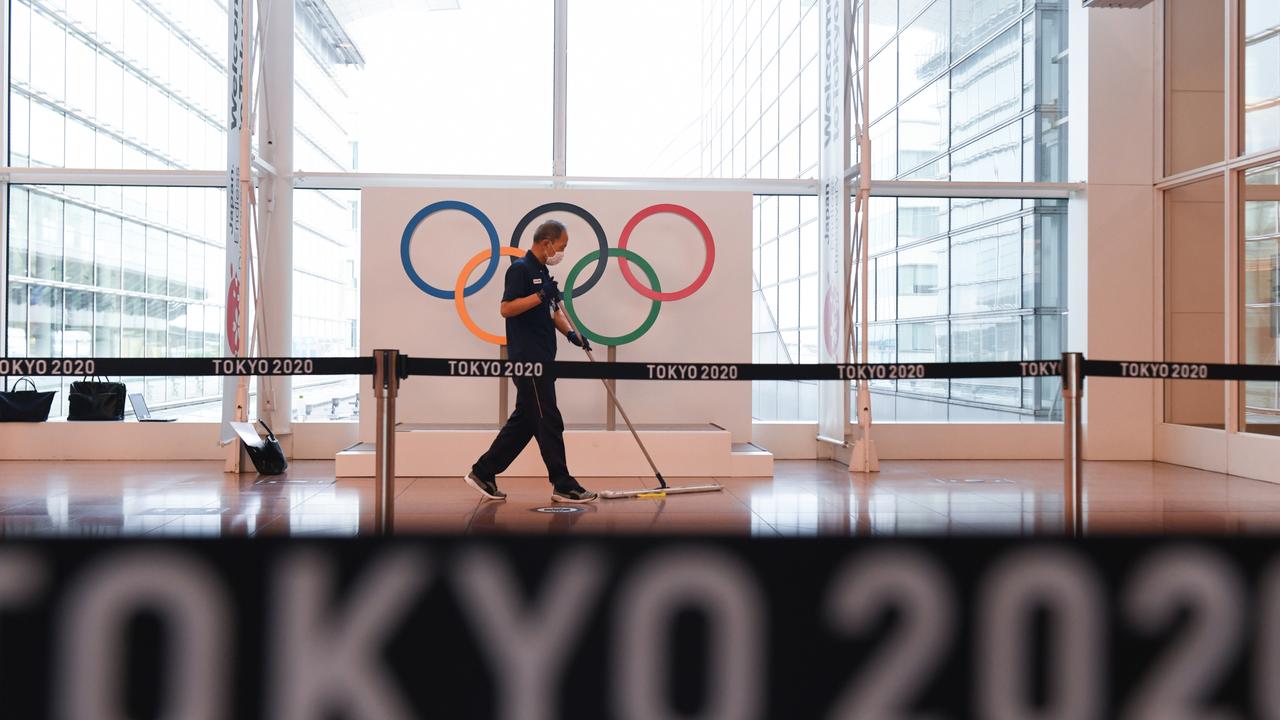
[[864, 457]]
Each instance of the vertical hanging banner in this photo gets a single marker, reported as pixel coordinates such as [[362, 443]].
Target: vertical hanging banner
[[833, 208], [236, 123]]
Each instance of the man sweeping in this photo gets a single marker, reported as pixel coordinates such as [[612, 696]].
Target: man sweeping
[[532, 321]]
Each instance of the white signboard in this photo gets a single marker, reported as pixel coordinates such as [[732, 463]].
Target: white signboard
[[833, 208], [420, 245], [235, 293]]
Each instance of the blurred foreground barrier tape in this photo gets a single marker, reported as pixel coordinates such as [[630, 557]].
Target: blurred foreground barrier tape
[[1180, 371], [643, 627], [187, 366], [467, 367]]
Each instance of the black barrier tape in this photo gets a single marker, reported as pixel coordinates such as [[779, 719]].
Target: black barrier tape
[[468, 367], [75, 367], [465, 367], [461, 367], [641, 627], [1180, 371]]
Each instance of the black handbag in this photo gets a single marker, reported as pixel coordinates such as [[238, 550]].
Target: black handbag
[[268, 459], [93, 400], [25, 405]]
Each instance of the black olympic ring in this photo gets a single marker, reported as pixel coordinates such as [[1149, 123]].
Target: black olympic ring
[[581, 213]]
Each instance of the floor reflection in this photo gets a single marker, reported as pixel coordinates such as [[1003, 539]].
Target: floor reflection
[[802, 499]]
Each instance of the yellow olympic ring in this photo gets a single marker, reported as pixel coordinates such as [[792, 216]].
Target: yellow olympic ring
[[460, 303]]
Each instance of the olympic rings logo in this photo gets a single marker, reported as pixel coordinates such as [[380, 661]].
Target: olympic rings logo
[[464, 288]]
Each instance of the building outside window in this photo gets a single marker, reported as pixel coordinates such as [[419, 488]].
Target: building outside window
[[961, 90], [118, 271], [760, 119], [967, 90], [326, 223], [138, 271], [1260, 256]]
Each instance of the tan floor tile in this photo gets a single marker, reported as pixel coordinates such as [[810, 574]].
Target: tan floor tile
[[803, 498]]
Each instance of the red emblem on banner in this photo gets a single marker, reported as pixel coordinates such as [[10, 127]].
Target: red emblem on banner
[[834, 318], [233, 315]]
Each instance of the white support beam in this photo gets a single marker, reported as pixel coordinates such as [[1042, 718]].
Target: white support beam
[[4, 182], [261, 166], [359, 181], [863, 457], [1233, 215], [1011, 190], [560, 90], [75, 176], [1244, 162], [274, 301]]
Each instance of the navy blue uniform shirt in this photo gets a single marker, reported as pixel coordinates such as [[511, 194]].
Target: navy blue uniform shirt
[[531, 335]]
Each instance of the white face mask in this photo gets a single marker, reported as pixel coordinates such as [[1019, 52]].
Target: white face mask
[[555, 259]]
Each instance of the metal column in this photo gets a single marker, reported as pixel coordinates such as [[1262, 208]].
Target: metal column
[[386, 385], [611, 391], [1072, 477]]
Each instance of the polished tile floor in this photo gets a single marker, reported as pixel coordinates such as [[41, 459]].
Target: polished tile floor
[[804, 498]]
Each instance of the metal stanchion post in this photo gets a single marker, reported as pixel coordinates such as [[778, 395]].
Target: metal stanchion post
[[611, 412], [1072, 475], [386, 385], [392, 376], [379, 446]]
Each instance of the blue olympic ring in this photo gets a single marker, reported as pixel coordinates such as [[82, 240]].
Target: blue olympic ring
[[572, 210], [407, 238]]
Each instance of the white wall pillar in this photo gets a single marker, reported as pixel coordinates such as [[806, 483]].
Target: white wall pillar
[[4, 185], [1078, 170], [1113, 237], [275, 206]]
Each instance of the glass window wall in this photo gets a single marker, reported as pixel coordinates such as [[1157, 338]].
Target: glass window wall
[[967, 90], [785, 302], [88, 277], [961, 89], [619, 87], [753, 115], [1260, 331], [966, 280], [1261, 75], [465, 89], [1196, 272], [82, 92]]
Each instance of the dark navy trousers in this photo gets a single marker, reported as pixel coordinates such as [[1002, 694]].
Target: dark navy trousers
[[536, 417]]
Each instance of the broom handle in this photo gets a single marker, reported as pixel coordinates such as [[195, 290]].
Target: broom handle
[[614, 399]]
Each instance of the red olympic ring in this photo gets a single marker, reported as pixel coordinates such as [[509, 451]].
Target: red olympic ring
[[707, 240]]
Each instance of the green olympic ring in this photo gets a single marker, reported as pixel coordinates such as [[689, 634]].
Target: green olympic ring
[[604, 339]]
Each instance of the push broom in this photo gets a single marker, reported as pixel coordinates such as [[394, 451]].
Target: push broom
[[663, 489]]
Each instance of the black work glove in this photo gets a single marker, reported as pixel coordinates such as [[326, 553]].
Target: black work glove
[[550, 291], [578, 340]]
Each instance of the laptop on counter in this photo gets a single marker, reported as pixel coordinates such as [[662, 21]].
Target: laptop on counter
[[142, 412]]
